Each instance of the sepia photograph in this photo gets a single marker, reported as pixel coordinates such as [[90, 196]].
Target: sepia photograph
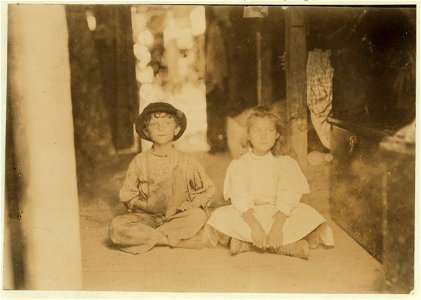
[[213, 148]]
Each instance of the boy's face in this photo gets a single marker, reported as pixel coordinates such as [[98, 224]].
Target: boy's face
[[262, 135], [162, 128]]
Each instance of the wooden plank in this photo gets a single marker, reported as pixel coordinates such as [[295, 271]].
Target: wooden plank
[[266, 56], [296, 59], [114, 48]]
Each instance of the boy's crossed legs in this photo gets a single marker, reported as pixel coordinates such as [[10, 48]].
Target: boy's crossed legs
[[139, 232]]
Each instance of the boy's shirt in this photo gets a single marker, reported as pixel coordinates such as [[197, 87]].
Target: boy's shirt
[[165, 182]]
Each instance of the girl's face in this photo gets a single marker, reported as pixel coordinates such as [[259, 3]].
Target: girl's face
[[262, 135], [161, 130]]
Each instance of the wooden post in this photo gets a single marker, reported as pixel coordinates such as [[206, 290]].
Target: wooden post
[[39, 74], [296, 60], [266, 67], [259, 61]]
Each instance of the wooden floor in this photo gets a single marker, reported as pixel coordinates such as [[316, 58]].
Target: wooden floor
[[346, 268]]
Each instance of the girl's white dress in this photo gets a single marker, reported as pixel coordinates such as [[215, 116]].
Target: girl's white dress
[[267, 184]]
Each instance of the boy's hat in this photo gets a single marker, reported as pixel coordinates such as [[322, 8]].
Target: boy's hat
[[160, 107]]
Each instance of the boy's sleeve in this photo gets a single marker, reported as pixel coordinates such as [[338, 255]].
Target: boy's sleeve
[[200, 187], [129, 191], [291, 186], [236, 187]]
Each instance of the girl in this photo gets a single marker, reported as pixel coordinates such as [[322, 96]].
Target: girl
[[265, 190]]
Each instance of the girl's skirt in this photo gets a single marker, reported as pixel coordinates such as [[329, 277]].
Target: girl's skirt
[[302, 221]]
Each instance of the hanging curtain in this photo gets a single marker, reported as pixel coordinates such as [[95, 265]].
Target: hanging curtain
[[319, 92]]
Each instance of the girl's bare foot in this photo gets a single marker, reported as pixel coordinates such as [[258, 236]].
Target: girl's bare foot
[[298, 249], [313, 238], [237, 246]]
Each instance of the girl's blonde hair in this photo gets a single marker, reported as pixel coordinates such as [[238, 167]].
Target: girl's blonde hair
[[264, 111]]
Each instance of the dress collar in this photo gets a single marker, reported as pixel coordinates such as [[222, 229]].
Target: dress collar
[[260, 157]]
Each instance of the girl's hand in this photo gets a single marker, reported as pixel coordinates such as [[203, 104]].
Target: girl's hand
[[276, 235], [259, 237], [186, 205]]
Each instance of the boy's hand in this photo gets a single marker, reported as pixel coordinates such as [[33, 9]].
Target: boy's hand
[[186, 205], [259, 237], [140, 204]]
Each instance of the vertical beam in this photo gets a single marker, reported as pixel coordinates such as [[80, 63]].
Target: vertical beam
[[266, 65], [259, 62], [296, 59], [39, 75]]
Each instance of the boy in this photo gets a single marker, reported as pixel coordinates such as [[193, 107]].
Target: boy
[[164, 189]]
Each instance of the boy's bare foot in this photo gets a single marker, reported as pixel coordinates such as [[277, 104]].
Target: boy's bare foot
[[298, 249], [138, 249], [237, 246], [211, 237], [223, 239], [193, 243]]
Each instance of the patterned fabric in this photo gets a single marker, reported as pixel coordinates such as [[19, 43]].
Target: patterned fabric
[[164, 182], [319, 92]]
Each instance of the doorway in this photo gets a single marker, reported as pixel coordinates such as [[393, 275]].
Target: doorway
[[169, 46]]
